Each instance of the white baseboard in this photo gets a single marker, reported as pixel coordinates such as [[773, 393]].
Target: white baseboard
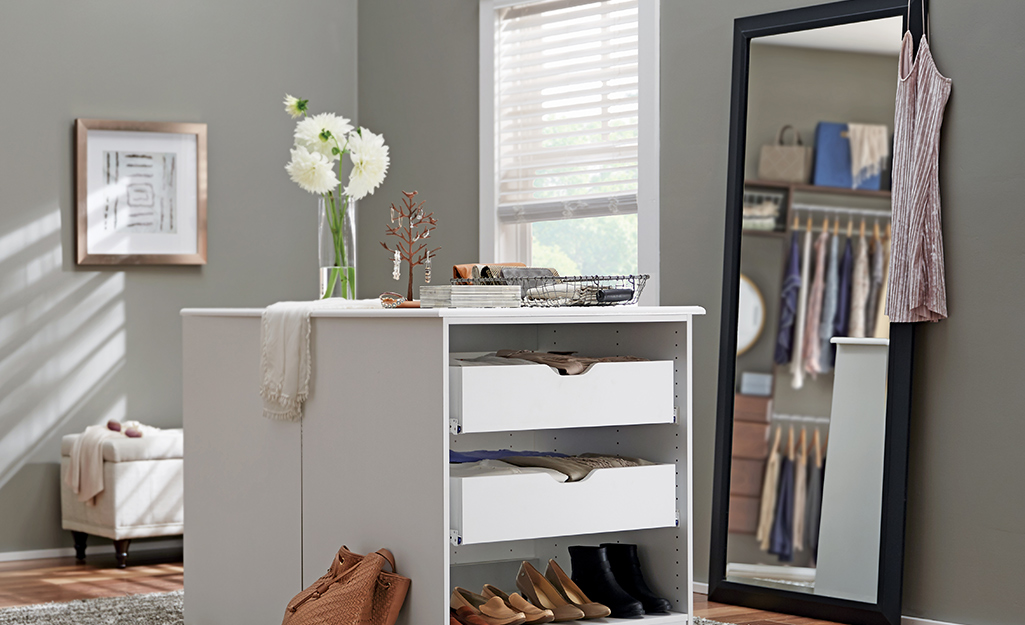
[[702, 588], [914, 620], [39, 554]]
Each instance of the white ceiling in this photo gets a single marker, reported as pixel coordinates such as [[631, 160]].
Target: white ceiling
[[873, 37]]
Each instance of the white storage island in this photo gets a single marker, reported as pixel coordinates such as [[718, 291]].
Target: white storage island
[[269, 503]]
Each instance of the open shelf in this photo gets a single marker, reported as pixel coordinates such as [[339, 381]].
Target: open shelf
[[673, 618]]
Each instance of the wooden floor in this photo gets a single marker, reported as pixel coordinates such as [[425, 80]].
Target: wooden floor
[[62, 579], [746, 616]]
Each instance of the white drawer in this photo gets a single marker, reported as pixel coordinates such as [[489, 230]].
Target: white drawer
[[499, 398], [534, 505]]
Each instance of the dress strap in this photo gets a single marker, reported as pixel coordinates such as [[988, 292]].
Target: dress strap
[[925, 21]]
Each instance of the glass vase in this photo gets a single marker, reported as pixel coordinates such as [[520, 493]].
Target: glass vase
[[337, 246]]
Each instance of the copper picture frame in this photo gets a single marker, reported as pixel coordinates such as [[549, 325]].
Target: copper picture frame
[[140, 192]]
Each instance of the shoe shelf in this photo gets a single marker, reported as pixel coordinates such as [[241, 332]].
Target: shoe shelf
[[368, 465], [673, 618]]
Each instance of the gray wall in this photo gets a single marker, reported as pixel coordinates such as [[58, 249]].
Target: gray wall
[[77, 345], [418, 86], [965, 556]]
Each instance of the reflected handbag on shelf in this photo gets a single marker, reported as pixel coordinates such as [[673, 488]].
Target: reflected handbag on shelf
[[356, 589], [785, 163]]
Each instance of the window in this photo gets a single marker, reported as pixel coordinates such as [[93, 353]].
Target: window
[[569, 135]]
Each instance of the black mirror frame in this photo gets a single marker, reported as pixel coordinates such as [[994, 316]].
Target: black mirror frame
[[886, 610]]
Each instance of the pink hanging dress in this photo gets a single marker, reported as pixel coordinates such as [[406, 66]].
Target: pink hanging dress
[[917, 291]]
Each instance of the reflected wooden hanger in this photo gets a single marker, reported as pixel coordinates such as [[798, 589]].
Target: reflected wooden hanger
[[875, 231], [803, 444], [850, 223], [825, 224], [790, 444], [862, 231], [809, 227], [817, 444], [836, 227], [775, 443], [889, 231]]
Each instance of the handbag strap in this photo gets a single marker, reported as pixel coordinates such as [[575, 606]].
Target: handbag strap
[[387, 555], [783, 130]]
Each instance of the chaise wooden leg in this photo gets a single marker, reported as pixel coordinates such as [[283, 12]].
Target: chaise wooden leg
[[121, 551], [80, 538]]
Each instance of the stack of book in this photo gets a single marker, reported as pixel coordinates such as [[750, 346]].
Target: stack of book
[[470, 296]]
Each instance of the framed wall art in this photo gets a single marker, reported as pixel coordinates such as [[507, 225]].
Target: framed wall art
[[141, 192]]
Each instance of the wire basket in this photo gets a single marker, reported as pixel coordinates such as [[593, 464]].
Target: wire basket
[[571, 290]]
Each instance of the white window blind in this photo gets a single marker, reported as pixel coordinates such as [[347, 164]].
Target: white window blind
[[567, 109]]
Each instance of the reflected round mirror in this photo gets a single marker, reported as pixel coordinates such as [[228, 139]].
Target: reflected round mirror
[[751, 316]]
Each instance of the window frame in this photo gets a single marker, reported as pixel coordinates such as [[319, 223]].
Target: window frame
[[506, 242]]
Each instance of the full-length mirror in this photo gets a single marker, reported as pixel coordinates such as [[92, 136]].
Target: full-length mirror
[[806, 440]]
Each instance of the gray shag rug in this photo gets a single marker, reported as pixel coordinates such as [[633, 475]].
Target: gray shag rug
[[163, 608], [155, 609]]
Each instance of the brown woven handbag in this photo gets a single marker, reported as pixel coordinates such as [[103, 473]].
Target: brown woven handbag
[[356, 590]]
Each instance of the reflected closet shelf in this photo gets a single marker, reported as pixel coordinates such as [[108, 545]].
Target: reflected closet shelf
[[811, 188]]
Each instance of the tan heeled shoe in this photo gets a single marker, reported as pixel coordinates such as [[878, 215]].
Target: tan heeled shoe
[[572, 592], [541, 593], [493, 611], [534, 615]]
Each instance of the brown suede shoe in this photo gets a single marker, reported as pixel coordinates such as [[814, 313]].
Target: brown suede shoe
[[466, 616], [493, 611], [534, 615]]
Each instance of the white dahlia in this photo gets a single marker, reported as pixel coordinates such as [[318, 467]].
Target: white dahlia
[[322, 133], [369, 163], [294, 106], [312, 171]]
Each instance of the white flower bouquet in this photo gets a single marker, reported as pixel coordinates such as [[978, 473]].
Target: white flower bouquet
[[320, 143]]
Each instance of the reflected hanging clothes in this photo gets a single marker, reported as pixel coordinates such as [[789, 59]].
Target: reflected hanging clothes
[[797, 361], [813, 513], [859, 290], [843, 297], [788, 304], [770, 488], [811, 331], [829, 300], [801, 493], [781, 539], [882, 329], [875, 287]]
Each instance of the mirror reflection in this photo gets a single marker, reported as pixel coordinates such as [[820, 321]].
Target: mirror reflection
[[809, 417]]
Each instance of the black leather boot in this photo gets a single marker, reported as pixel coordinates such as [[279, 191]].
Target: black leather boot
[[626, 567], [592, 572]]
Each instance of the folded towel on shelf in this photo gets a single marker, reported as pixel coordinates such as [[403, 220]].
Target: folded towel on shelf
[[495, 454], [565, 363], [285, 368], [497, 467], [869, 148], [763, 209], [577, 468]]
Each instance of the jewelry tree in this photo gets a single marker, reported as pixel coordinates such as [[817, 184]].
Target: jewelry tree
[[412, 227]]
